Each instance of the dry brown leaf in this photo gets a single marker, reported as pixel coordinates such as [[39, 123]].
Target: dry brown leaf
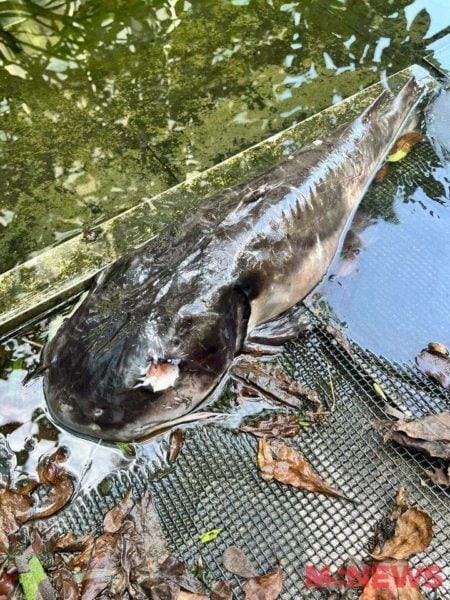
[[238, 563], [69, 543], [440, 476], [382, 173], [115, 517], [175, 444], [430, 435], [276, 426], [286, 465], [264, 587], [413, 533], [189, 596], [174, 570], [222, 591], [435, 366]]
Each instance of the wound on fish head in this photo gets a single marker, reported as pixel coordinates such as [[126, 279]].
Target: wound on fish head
[[137, 374], [160, 376]]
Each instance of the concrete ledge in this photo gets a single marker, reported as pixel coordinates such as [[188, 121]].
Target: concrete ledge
[[60, 272]]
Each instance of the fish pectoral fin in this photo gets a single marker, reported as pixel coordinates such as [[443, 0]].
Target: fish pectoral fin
[[272, 334], [270, 381]]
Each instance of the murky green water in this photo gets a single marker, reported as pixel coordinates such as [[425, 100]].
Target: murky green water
[[103, 103]]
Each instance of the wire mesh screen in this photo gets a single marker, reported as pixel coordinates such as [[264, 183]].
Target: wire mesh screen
[[215, 481]]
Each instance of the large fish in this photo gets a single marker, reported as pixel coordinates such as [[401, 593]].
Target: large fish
[[161, 326]]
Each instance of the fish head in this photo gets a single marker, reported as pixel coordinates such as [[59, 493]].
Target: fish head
[[138, 372]]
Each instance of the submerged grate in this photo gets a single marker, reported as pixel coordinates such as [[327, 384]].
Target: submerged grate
[[215, 482]]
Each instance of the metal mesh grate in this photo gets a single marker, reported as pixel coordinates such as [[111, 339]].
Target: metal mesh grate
[[215, 481]]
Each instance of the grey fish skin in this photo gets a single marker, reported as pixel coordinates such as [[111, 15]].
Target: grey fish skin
[[162, 325]]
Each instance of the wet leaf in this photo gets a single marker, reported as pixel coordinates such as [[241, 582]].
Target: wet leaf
[[115, 517], [189, 596], [235, 561], [175, 570], [9, 579], [286, 465], [101, 566], [405, 532], [126, 448], [52, 473], [221, 591], [270, 381], [276, 426], [404, 145], [430, 435], [379, 391], [413, 533], [436, 366], [175, 444], [69, 543], [15, 509], [209, 536], [382, 173], [264, 587], [64, 583], [440, 476], [31, 580]]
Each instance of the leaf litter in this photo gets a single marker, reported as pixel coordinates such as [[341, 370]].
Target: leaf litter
[[406, 531], [285, 465]]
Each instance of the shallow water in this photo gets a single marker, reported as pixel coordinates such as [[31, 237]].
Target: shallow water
[[104, 103]]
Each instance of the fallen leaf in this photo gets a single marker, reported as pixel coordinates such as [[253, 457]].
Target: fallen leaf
[[9, 579], [440, 476], [382, 173], [404, 532], [127, 448], [175, 444], [413, 534], [101, 566], [270, 381], [221, 590], [386, 585], [115, 517], [430, 435], [286, 465], [436, 366], [15, 509], [235, 561], [189, 596], [264, 587], [145, 545], [403, 146], [209, 536], [277, 426], [69, 543], [51, 473], [379, 391], [175, 570]]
